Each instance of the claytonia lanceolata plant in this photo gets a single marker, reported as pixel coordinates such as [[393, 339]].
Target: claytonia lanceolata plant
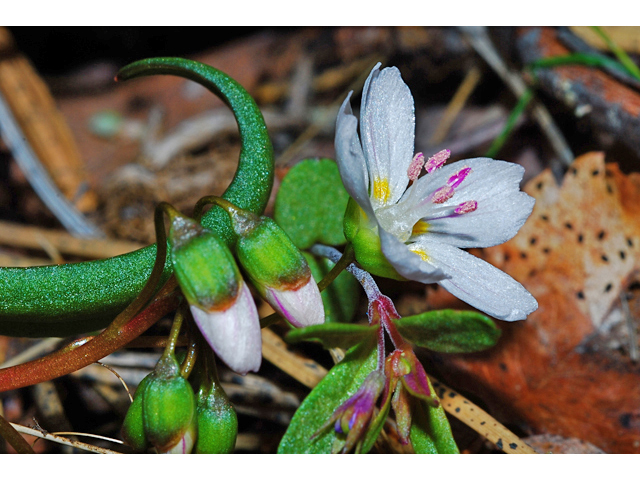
[[412, 227]]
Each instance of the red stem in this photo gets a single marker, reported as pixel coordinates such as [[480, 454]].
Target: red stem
[[67, 361]]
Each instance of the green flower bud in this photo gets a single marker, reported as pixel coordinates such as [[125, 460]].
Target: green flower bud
[[217, 422], [133, 432], [168, 406], [203, 265], [278, 269], [220, 301], [362, 233]]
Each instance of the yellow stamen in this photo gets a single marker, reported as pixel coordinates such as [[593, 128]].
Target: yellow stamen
[[420, 228], [381, 190], [423, 255]]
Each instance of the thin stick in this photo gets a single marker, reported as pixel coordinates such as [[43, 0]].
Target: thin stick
[[64, 441], [456, 105], [11, 435], [30, 237]]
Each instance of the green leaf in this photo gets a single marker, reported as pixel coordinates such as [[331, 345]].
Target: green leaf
[[342, 381], [311, 202], [430, 429], [333, 335], [340, 298], [449, 331]]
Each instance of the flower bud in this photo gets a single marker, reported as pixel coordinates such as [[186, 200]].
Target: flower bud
[[217, 422], [133, 432], [220, 301], [277, 269], [168, 406]]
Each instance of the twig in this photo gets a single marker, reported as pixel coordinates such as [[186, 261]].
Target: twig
[[33, 237], [64, 441], [481, 42], [456, 104], [40, 348]]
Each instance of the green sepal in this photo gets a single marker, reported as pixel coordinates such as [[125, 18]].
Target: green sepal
[[430, 429], [342, 381], [270, 258], [217, 422], [311, 202], [449, 331], [168, 405], [203, 265], [340, 298], [133, 426], [333, 335], [362, 233]]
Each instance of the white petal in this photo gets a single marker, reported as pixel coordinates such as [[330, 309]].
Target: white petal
[[301, 307], [479, 284], [407, 263], [387, 126], [350, 159], [234, 333], [502, 207]]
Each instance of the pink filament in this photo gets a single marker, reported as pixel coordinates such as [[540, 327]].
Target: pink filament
[[455, 180]]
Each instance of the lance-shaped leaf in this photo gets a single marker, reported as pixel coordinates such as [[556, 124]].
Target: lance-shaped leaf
[[342, 381], [333, 335], [430, 429], [311, 202], [449, 331]]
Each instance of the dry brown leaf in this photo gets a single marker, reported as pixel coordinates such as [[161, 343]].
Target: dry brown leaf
[[578, 251]]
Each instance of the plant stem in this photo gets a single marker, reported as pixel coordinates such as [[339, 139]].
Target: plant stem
[[347, 258]]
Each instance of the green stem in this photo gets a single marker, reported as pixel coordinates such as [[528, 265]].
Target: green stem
[[64, 300], [347, 258], [497, 144]]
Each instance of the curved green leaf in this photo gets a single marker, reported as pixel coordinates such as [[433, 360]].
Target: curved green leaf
[[333, 335], [311, 202], [449, 331], [342, 381]]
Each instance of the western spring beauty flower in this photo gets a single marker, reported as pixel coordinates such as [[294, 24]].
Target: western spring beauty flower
[[412, 227]]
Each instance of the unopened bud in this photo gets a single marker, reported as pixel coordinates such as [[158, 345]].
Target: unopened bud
[[217, 422], [278, 270], [168, 406]]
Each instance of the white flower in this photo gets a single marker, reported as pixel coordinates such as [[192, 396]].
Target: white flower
[[422, 226]]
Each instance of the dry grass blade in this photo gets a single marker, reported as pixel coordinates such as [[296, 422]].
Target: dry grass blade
[[64, 441]]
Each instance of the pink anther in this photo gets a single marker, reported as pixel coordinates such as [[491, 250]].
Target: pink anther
[[437, 160], [466, 207], [442, 194], [416, 166], [455, 180]]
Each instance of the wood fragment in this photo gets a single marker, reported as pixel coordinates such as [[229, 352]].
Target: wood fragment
[[32, 237], [43, 125]]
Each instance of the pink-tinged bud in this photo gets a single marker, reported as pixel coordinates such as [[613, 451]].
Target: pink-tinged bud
[[416, 166], [234, 333], [466, 207], [353, 417], [277, 269], [302, 307], [442, 194], [416, 381], [437, 160], [455, 180]]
